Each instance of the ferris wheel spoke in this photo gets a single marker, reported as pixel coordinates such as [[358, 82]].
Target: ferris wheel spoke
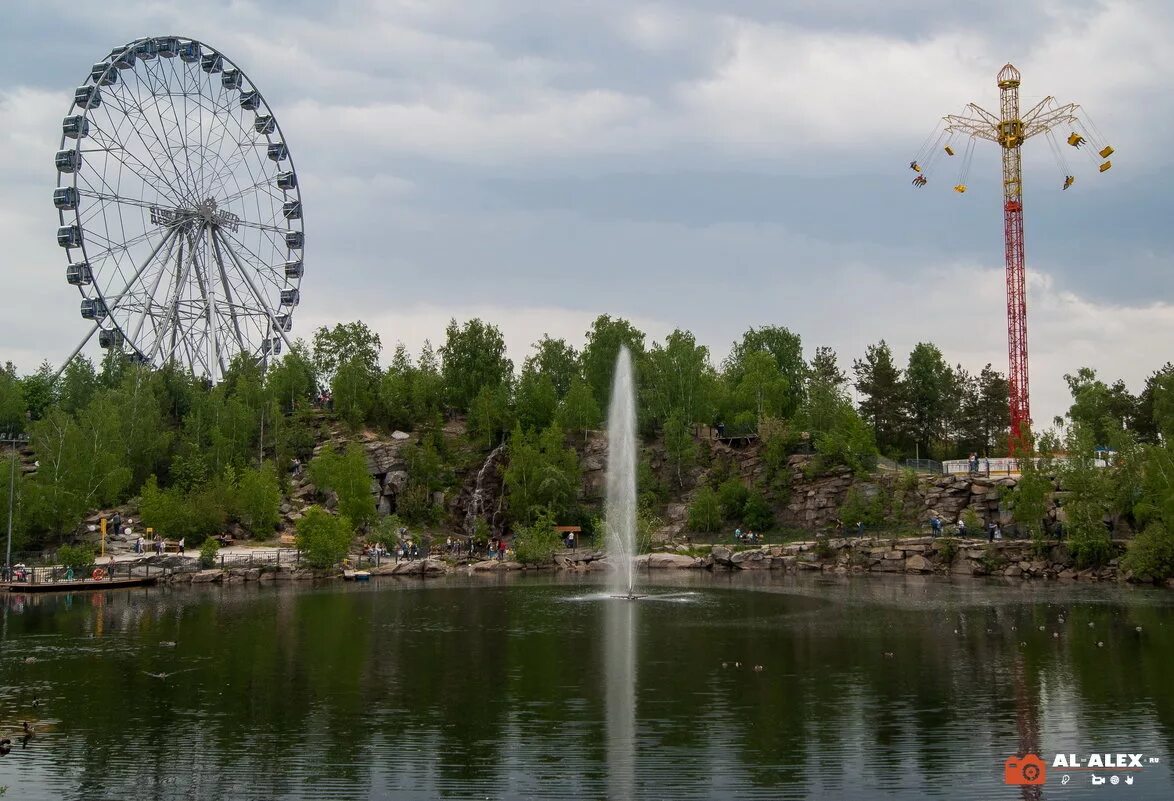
[[261, 304], [158, 170]]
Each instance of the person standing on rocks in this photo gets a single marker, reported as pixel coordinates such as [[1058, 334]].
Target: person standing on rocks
[[180, 546], [116, 524], [935, 526]]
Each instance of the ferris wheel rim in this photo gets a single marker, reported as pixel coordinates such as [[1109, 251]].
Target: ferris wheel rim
[[272, 135]]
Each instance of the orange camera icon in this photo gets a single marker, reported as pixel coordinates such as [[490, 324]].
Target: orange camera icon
[[1028, 769]]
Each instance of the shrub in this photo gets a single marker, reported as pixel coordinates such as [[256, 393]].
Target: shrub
[[705, 511], [858, 508], [79, 557], [823, 547], [345, 474], [731, 497], [948, 549], [973, 522], [992, 559], [538, 543], [1151, 554], [208, 553], [323, 538], [756, 512]]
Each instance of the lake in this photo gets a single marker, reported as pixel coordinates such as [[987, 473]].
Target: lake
[[512, 686]]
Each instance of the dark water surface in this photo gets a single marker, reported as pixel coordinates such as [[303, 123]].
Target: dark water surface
[[516, 687]]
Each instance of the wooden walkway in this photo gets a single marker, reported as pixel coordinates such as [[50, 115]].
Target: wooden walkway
[[81, 584]]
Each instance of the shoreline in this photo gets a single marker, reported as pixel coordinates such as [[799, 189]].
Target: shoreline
[[1014, 559]]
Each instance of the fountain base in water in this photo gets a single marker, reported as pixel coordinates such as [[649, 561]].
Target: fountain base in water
[[630, 597]]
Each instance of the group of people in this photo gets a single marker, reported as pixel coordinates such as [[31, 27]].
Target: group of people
[[747, 537], [993, 530], [158, 544], [973, 463]]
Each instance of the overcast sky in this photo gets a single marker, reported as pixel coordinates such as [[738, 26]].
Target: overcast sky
[[697, 164]]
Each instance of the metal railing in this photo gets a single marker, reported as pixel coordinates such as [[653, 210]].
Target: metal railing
[[924, 465], [90, 575]]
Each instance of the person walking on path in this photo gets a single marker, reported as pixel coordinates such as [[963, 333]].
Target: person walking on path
[[179, 545], [116, 524]]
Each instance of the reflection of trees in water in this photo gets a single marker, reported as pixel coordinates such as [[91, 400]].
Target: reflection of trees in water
[[504, 687]]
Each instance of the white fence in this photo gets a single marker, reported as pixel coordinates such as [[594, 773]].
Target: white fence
[[1006, 466]]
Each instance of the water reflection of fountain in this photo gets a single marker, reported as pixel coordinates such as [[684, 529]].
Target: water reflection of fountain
[[621, 477], [619, 653]]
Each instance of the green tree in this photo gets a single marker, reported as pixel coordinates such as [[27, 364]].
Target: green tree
[[473, 357], [39, 391], [556, 360], [291, 380], [323, 538], [825, 368], [77, 385], [679, 380], [579, 411], [762, 389], [705, 514], [1155, 406], [396, 410], [536, 399], [785, 349], [679, 445], [929, 384], [880, 383], [1100, 410], [489, 415], [353, 391], [342, 343], [604, 340], [427, 386], [12, 402], [258, 498], [346, 475], [541, 474]]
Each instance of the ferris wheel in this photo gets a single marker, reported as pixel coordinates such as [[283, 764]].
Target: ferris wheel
[[179, 208]]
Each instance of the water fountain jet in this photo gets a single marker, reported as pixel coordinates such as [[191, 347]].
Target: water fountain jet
[[620, 510]]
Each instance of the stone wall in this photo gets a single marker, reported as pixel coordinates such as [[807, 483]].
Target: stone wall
[[969, 557]]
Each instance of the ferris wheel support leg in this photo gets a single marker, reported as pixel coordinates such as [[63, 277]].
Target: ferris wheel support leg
[[173, 304], [256, 295], [76, 351], [114, 305], [236, 327], [155, 287], [206, 287]]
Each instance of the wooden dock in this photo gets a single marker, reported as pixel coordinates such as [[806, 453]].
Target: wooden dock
[[82, 585]]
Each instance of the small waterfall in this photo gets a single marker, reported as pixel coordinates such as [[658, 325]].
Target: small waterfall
[[476, 505], [621, 475]]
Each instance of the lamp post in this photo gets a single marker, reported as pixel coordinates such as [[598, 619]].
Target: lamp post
[[11, 439]]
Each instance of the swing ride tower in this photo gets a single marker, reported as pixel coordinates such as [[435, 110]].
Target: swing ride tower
[[1010, 129]]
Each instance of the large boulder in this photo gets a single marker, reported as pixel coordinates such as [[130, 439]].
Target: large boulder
[[671, 561], [750, 560], [721, 555], [207, 576], [918, 564]]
